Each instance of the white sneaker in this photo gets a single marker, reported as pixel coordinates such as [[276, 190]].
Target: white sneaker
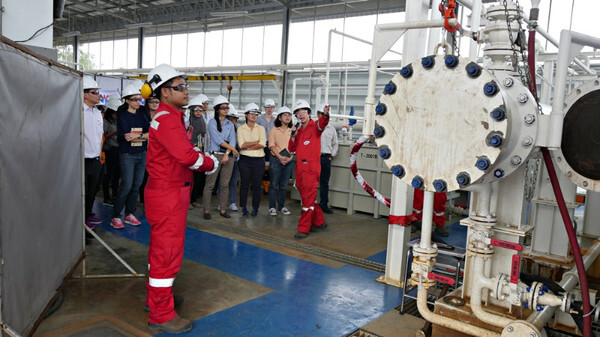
[[285, 211], [233, 207], [272, 211]]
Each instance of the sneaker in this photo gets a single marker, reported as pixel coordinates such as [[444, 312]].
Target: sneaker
[[326, 210], [94, 219], [176, 325], [233, 207], [272, 211], [285, 211], [90, 225], [254, 212], [245, 212], [132, 220], [116, 223], [300, 235]]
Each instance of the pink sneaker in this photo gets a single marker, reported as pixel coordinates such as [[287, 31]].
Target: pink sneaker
[[116, 223], [132, 220]]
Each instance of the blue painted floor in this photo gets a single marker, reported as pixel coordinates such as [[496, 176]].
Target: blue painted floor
[[307, 299]]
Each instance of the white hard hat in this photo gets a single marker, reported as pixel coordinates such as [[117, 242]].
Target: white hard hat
[[161, 74], [219, 100], [113, 102], [132, 89], [321, 107], [197, 100], [232, 111], [203, 98], [301, 104], [89, 83], [269, 102], [251, 107], [284, 109]]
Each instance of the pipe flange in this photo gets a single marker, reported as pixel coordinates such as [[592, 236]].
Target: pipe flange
[[425, 252], [520, 329], [454, 301], [501, 280]]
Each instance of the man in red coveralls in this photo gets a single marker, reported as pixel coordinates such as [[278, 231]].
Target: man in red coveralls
[[439, 209], [170, 160], [306, 142]]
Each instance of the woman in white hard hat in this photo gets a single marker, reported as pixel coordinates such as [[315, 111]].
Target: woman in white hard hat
[[132, 134], [280, 165], [171, 159], [222, 145], [199, 131], [252, 140]]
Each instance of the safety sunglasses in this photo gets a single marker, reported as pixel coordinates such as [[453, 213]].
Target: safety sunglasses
[[135, 99], [197, 110], [94, 92], [181, 87], [153, 101]]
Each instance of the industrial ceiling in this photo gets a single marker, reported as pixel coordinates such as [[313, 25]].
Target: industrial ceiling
[[112, 19]]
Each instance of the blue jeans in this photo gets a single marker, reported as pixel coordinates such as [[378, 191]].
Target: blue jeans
[[133, 166], [280, 177]]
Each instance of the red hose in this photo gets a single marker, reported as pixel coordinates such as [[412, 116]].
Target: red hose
[[587, 320]]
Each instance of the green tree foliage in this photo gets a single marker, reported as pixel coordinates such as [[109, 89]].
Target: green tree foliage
[[65, 55]]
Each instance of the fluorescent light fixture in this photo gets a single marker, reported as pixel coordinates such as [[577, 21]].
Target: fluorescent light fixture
[[228, 14], [215, 24], [71, 34], [138, 25]]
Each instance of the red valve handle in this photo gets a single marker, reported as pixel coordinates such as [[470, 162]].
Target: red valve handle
[[440, 278], [514, 269], [506, 244]]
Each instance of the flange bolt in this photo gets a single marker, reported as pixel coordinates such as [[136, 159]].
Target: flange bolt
[[390, 88], [463, 179], [483, 163], [407, 71], [439, 185], [385, 152], [473, 70], [490, 89], [398, 171], [417, 182], [427, 62], [498, 114], [380, 109], [451, 61]]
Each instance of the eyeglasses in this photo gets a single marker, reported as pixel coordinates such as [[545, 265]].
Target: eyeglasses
[[224, 108], [94, 92], [135, 99], [197, 110], [181, 87], [153, 101]]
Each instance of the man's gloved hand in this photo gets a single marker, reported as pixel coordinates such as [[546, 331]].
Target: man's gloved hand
[[215, 163]]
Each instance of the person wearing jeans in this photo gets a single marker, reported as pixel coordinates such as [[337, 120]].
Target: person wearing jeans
[[252, 139], [132, 131], [280, 166]]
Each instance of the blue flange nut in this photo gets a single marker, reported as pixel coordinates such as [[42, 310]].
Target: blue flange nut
[[385, 152], [490, 89], [482, 163], [407, 71], [417, 182], [451, 61], [494, 140], [463, 179], [428, 62], [379, 131], [439, 185], [380, 109], [390, 88], [498, 114], [498, 173], [398, 171], [473, 70]]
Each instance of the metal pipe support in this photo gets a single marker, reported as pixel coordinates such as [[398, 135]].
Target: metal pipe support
[[447, 322]]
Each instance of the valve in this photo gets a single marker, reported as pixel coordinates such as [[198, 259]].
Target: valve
[[440, 278]]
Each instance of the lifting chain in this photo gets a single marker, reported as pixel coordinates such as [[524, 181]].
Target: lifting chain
[[447, 8], [530, 178]]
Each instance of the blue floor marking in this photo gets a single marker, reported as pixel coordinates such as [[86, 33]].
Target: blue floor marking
[[308, 299]]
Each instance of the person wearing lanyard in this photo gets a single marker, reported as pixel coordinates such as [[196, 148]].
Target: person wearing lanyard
[[170, 161], [222, 145], [93, 128], [252, 141]]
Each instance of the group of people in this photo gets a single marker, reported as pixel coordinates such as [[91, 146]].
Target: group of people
[[185, 157]]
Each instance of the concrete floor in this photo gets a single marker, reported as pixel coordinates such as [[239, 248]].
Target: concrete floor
[[236, 285]]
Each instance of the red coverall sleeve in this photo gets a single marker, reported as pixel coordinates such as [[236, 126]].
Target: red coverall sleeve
[[292, 143], [174, 139], [322, 123]]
